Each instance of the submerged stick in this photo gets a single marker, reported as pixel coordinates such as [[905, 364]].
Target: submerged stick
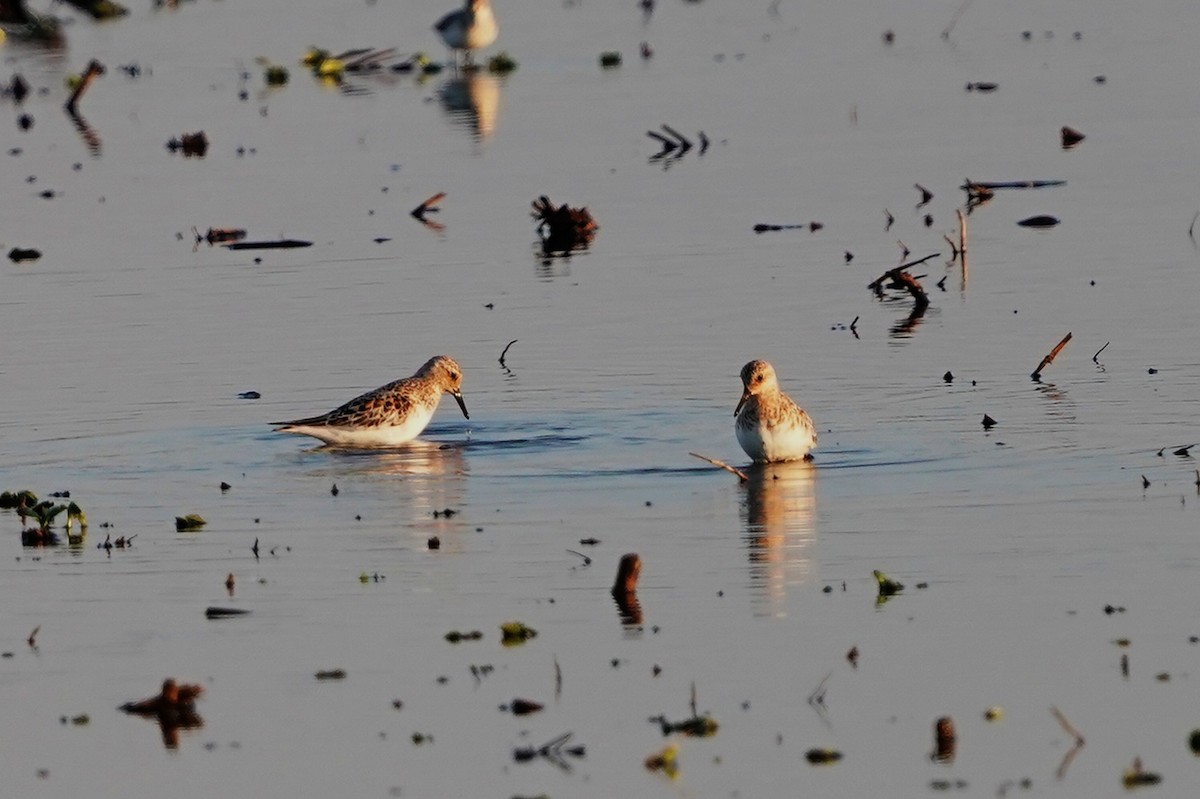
[[1050, 358], [722, 464]]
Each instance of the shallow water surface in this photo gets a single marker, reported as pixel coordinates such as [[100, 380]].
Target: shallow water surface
[[125, 350]]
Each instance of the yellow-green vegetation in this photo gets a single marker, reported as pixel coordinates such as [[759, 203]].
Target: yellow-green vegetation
[[666, 761], [514, 632], [887, 586], [501, 64], [189, 523]]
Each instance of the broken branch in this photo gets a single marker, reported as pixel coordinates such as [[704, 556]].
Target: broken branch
[[721, 464], [1037, 373]]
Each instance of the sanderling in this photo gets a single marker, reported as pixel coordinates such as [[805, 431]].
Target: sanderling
[[471, 27], [770, 427], [389, 415]]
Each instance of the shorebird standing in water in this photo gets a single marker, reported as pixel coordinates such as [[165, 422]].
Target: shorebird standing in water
[[471, 27], [770, 427], [390, 415]]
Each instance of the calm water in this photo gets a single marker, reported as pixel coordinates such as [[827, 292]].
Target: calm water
[[125, 349]]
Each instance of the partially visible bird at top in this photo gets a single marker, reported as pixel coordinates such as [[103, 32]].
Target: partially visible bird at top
[[472, 27]]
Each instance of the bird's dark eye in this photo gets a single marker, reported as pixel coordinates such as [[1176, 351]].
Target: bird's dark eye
[[454, 375]]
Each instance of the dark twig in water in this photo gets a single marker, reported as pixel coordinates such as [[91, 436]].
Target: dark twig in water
[[505, 352], [557, 679], [722, 464], [429, 207], [1037, 373], [1102, 349], [32, 640], [890, 220], [854, 327], [667, 145], [816, 700], [1192, 228], [587, 561]]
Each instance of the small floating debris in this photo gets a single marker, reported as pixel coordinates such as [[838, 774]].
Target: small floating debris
[[19, 254], [1071, 137], [331, 674], [945, 740], [219, 235], [821, 757], [514, 632], [763, 227], [524, 707], [1039, 221], [456, 636], [277, 244], [610, 59], [926, 194], [1136, 776], [993, 713], [563, 229], [982, 86], [988, 422], [555, 750], [1194, 742], [887, 586], [174, 700], [249, 395], [696, 727], [213, 612], [189, 523], [501, 63], [190, 144], [665, 760]]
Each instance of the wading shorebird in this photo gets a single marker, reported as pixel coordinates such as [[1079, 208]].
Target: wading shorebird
[[770, 427], [389, 415], [472, 27]]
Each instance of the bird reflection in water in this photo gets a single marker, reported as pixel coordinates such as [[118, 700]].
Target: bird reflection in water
[[778, 511], [425, 479], [473, 101]]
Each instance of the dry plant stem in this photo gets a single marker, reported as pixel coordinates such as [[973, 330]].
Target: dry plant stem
[[1067, 725], [1050, 358], [94, 68], [741, 475], [962, 233]]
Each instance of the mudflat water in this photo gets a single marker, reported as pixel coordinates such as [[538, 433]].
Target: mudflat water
[[125, 350]]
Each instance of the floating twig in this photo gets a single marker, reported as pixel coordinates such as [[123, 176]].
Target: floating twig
[[722, 464], [429, 207], [1067, 726], [763, 227], [94, 68], [890, 219], [1102, 349], [854, 327], [1037, 373], [926, 194], [1192, 227], [1070, 137], [991, 185], [278, 244], [505, 352], [1039, 221], [32, 640], [962, 236]]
